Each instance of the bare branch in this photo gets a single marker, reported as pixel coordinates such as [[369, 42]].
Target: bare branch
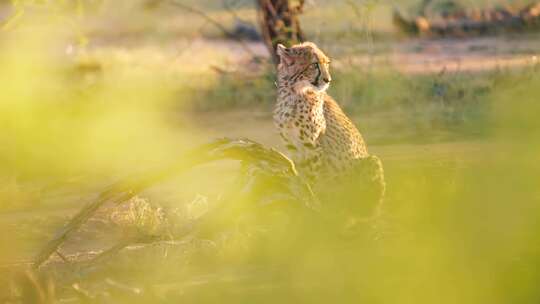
[[215, 23], [229, 8]]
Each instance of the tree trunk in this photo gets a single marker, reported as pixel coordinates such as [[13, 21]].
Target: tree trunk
[[279, 23]]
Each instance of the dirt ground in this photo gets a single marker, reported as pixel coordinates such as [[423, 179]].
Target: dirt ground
[[418, 56], [414, 56]]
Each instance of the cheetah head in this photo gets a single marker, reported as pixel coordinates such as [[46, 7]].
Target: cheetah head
[[304, 63]]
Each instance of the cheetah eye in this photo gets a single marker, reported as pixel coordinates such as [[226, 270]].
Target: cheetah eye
[[315, 65]]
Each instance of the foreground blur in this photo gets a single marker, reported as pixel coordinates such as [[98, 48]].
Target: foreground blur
[[454, 230]]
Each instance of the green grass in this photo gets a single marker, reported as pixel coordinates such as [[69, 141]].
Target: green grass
[[394, 106], [460, 151]]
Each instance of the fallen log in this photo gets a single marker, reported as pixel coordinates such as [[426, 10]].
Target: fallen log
[[473, 23], [253, 156]]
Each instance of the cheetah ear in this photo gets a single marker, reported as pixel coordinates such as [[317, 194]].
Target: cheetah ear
[[284, 54]]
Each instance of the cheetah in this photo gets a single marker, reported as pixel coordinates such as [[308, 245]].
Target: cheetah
[[322, 141]]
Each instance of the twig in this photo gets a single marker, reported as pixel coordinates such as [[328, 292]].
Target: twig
[[365, 19], [218, 25], [84, 295], [204, 16], [63, 257], [231, 11], [111, 251], [79, 219], [124, 288]]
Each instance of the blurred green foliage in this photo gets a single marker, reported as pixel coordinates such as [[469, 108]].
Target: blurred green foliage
[[455, 229]]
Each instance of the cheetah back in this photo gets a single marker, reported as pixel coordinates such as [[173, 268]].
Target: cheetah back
[[341, 142]]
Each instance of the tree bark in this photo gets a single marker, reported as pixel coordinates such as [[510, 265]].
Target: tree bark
[[279, 23]]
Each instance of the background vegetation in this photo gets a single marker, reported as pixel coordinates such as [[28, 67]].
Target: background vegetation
[[93, 91]]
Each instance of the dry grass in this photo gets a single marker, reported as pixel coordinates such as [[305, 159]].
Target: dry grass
[[459, 148]]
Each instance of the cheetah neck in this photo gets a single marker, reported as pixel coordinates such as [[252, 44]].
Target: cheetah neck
[[295, 105], [292, 92]]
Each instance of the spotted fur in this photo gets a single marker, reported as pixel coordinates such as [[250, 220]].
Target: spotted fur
[[322, 140], [319, 135]]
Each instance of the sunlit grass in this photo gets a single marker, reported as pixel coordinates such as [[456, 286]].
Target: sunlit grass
[[458, 225]]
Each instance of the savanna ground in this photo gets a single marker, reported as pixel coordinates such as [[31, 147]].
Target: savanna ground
[[94, 93]]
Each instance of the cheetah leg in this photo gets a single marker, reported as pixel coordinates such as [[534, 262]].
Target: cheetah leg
[[311, 162], [372, 188]]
